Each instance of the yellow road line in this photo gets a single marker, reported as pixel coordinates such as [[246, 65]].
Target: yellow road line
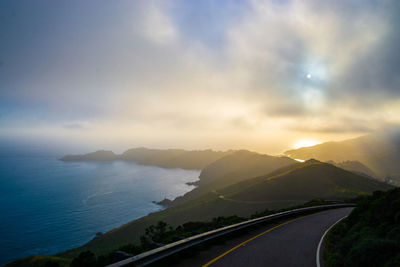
[[254, 237]]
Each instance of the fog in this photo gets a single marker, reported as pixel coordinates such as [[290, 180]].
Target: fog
[[258, 75]]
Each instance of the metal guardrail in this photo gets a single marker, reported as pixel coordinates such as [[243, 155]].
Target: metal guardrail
[[154, 255]]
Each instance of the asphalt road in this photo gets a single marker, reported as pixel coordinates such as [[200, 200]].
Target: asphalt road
[[288, 243]]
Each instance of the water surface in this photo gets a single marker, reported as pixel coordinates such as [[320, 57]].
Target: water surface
[[48, 206]]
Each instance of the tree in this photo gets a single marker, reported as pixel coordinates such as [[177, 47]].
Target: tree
[[85, 259], [159, 232]]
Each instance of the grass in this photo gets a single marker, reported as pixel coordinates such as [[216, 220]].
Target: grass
[[40, 261]]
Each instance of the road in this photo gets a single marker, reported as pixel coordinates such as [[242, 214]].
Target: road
[[289, 243]]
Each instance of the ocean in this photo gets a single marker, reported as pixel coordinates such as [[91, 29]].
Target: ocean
[[48, 206]]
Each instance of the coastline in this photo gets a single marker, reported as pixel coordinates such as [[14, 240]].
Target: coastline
[[163, 204], [95, 205]]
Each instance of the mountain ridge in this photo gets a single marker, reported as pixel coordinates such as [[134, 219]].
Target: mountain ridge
[[378, 152], [165, 158]]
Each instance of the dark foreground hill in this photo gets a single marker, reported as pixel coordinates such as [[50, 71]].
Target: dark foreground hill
[[166, 158], [242, 164], [379, 152], [370, 236], [233, 168], [289, 186], [312, 179]]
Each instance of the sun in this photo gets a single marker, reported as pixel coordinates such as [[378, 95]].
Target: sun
[[306, 143]]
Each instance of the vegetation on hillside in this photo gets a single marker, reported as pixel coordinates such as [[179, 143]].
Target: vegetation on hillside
[[154, 236], [241, 164], [161, 234], [238, 166], [312, 179], [370, 236], [40, 261]]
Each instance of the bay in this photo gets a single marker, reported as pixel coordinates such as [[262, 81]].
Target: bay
[[48, 206]]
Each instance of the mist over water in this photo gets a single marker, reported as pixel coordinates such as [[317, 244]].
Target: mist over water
[[48, 206]]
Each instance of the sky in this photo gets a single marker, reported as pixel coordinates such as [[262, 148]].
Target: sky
[[260, 75]]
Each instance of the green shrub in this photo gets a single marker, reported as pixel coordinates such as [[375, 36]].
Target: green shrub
[[85, 259], [370, 236]]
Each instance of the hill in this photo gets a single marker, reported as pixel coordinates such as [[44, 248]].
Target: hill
[[242, 163], [354, 166], [233, 168], [167, 158], [370, 236], [100, 155], [379, 152], [312, 179], [291, 185], [173, 158]]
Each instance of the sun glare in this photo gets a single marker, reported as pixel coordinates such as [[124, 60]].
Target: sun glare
[[305, 143]]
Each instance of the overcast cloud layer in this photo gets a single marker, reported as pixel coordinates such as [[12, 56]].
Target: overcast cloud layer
[[195, 74]]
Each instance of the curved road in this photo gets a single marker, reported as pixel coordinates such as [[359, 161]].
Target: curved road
[[290, 243]]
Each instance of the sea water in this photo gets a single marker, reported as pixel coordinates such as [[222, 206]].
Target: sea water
[[48, 206]]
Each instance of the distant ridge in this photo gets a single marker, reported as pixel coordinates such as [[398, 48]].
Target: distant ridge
[[380, 153], [166, 158], [100, 155], [354, 166]]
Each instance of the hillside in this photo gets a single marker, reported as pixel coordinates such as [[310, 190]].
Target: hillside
[[370, 236], [312, 179], [173, 158], [233, 168], [354, 166], [379, 152], [289, 186], [242, 163], [40, 261], [167, 158]]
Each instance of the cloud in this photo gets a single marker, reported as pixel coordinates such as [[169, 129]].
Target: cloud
[[161, 67], [278, 45], [333, 127], [75, 125], [158, 26]]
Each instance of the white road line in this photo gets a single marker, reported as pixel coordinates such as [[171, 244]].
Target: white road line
[[318, 260]]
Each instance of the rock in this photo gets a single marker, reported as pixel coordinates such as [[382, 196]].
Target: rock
[[165, 202]]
